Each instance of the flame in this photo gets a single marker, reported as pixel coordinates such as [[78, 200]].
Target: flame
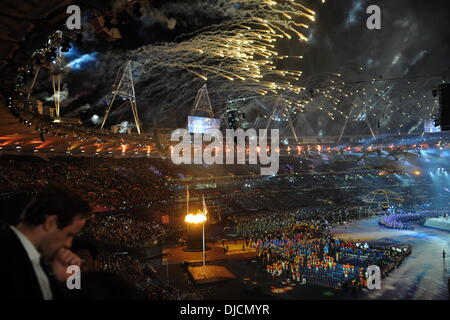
[[197, 218]]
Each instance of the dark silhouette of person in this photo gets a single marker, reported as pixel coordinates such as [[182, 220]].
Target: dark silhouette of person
[[88, 252], [46, 229]]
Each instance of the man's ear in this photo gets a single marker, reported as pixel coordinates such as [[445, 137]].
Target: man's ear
[[50, 223]]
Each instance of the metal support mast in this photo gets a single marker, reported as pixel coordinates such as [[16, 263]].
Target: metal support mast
[[124, 87], [202, 103], [279, 107], [56, 69]]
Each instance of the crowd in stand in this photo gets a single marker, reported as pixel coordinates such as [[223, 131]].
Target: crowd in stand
[[268, 224], [141, 274], [123, 231], [110, 183], [291, 243], [297, 246]]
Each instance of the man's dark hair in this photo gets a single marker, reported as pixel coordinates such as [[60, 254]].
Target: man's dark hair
[[82, 244], [55, 200]]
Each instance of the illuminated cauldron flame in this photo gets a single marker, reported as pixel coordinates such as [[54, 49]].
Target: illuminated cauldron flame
[[197, 218]]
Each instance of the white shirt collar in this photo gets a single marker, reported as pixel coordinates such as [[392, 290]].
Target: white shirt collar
[[31, 250]]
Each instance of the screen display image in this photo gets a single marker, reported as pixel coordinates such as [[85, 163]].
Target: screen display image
[[429, 126], [201, 124]]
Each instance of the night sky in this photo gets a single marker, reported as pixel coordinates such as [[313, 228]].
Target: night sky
[[413, 47]]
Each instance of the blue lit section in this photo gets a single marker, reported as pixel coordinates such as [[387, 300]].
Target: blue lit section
[[356, 9], [76, 60], [72, 54], [82, 61]]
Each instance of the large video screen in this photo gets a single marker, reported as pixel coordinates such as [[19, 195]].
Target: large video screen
[[202, 124], [429, 126]]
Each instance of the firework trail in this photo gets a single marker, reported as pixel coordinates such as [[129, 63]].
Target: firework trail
[[236, 57]]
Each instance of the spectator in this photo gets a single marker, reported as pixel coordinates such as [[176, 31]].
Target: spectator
[[48, 225], [88, 253]]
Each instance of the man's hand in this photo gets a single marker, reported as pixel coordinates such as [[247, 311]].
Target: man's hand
[[64, 258]]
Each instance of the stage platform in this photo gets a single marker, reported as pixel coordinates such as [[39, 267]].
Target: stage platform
[[178, 254], [210, 274], [438, 223]]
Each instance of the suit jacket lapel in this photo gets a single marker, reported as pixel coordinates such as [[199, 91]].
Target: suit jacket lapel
[[22, 270]]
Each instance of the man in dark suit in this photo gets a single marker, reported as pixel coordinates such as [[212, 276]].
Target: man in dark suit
[[48, 224]]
